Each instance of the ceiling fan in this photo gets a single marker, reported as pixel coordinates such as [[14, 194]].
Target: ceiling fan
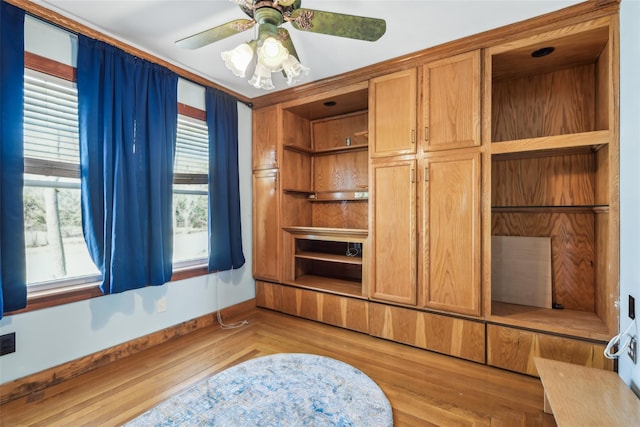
[[273, 46]]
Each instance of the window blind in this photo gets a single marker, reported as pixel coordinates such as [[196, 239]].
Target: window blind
[[192, 146], [50, 118]]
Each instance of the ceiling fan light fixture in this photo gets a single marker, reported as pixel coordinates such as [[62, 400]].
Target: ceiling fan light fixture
[[262, 78], [272, 54], [294, 70], [238, 59]]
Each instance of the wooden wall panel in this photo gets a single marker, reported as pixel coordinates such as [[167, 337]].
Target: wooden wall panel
[[296, 130], [333, 132], [514, 349], [296, 171], [572, 251], [344, 171], [566, 180], [342, 214], [555, 103], [444, 334]]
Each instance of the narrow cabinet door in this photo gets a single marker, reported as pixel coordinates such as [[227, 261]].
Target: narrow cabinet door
[[393, 265], [451, 233], [266, 226], [392, 114], [266, 122], [451, 102]]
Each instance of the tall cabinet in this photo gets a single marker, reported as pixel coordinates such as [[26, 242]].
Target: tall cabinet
[[551, 129], [425, 180]]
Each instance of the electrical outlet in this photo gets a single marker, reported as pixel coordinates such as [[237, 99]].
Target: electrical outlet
[[8, 343], [632, 351], [632, 307], [161, 305]]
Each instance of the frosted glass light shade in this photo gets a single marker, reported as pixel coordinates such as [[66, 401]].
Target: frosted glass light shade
[[271, 54], [294, 70], [261, 78], [238, 59]]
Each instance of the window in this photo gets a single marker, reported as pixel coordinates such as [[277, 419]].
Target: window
[[190, 195], [56, 253], [55, 249]]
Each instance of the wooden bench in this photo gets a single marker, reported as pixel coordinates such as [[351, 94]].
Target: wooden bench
[[581, 396]]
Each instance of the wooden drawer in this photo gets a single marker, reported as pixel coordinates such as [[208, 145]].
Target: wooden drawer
[[345, 312], [269, 295], [514, 349], [349, 313], [443, 334]]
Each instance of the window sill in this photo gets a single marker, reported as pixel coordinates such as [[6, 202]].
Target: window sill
[[63, 295]]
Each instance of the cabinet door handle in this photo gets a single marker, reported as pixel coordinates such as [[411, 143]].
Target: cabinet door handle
[[413, 175], [413, 136], [426, 133], [426, 174]]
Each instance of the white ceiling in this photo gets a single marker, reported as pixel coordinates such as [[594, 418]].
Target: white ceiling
[[154, 26]]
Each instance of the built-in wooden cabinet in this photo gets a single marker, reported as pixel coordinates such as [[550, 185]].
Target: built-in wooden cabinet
[[454, 336], [464, 203], [393, 110], [450, 229], [514, 349], [393, 231], [451, 102], [553, 172], [266, 124], [266, 229], [425, 207]]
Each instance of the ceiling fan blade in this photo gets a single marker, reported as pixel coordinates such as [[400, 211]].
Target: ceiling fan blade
[[337, 24], [285, 39], [216, 33]]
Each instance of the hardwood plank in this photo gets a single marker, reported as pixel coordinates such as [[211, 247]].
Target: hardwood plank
[[423, 388]]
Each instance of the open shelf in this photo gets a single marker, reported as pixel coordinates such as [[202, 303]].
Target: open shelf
[[593, 139], [326, 151], [326, 259], [321, 256], [565, 322]]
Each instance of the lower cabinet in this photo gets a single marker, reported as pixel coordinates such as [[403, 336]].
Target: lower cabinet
[[444, 334], [345, 312], [504, 346], [514, 349]]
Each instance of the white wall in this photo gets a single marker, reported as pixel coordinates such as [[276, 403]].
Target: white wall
[[629, 175]]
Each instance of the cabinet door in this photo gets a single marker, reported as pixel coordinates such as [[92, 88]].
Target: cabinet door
[[266, 122], [451, 102], [451, 233], [266, 226], [393, 266], [392, 114]]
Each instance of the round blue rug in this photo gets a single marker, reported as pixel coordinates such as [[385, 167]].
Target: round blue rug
[[279, 390]]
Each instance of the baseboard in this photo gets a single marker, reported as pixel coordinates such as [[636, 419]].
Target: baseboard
[[35, 384]]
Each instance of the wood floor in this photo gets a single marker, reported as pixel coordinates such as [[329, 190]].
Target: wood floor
[[424, 388]]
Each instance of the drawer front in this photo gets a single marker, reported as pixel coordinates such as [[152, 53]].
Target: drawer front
[[444, 334], [349, 313], [514, 349], [269, 295]]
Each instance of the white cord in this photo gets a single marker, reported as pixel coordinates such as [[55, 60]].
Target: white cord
[[615, 340], [234, 325]]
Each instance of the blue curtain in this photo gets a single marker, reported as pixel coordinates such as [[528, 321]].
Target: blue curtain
[[127, 110], [13, 289], [225, 233]]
